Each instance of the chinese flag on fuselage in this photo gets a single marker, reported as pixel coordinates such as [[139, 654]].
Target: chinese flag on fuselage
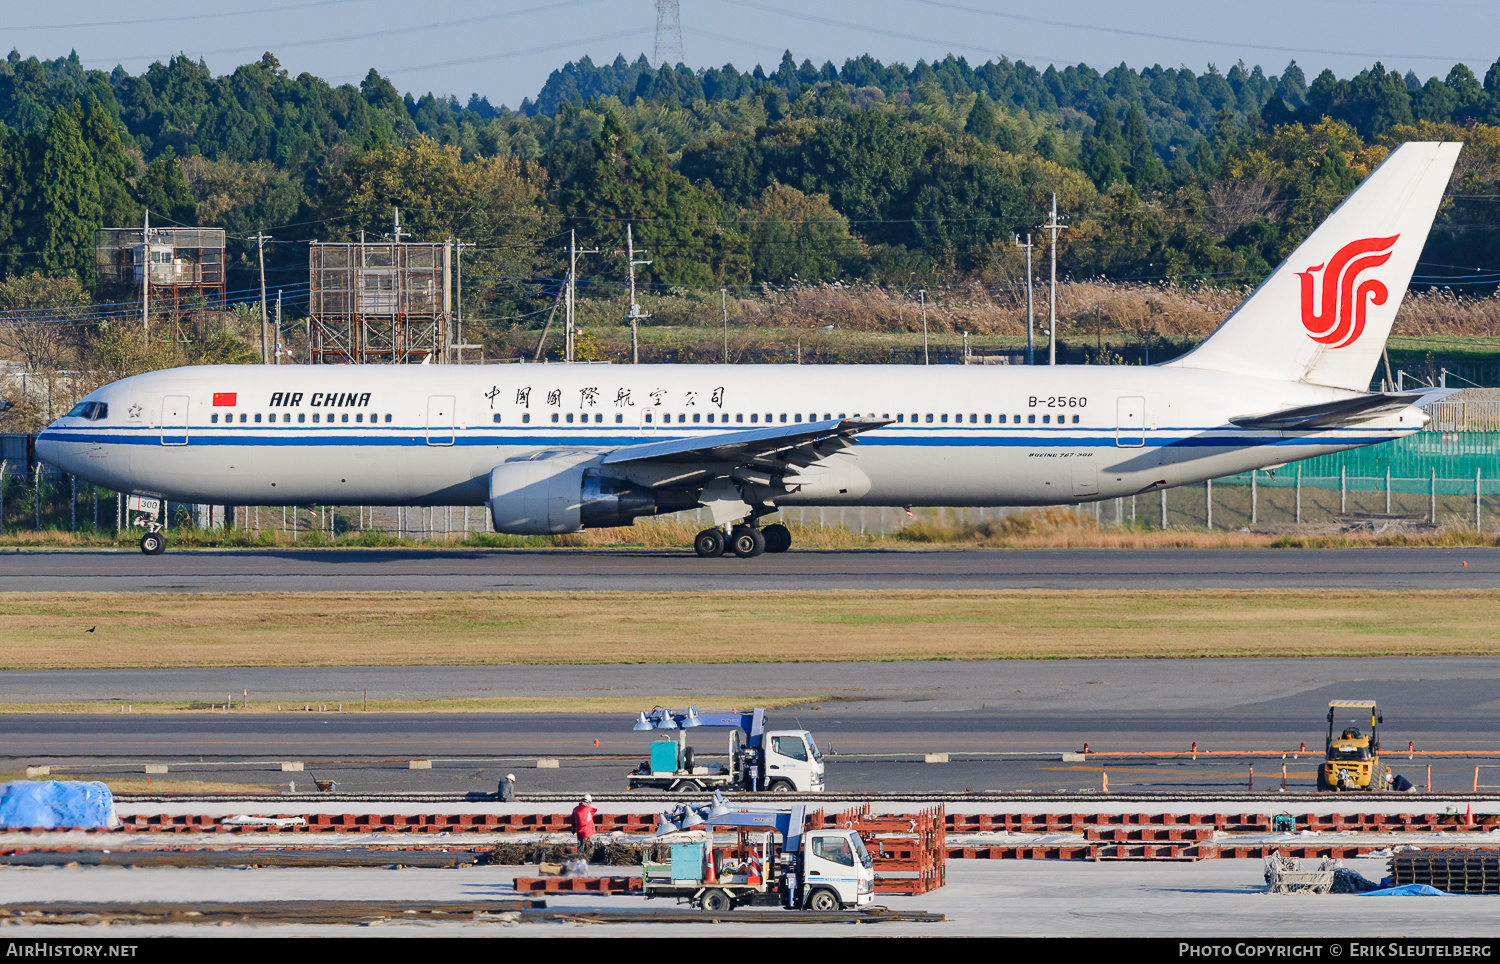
[[225, 398]]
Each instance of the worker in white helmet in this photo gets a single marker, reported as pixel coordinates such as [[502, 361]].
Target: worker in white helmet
[[507, 791]]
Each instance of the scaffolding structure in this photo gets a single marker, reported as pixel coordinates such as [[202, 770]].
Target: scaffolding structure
[[186, 264], [382, 304]]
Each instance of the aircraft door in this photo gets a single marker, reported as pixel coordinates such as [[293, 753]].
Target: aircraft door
[[174, 420], [1130, 424], [440, 419]]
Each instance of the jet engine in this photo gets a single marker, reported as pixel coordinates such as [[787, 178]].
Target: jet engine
[[548, 496]]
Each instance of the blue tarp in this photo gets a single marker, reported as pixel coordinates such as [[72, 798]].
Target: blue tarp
[[1407, 890], [55, 803]]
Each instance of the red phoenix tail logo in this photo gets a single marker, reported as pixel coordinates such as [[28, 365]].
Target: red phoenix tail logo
[[1337, 319]]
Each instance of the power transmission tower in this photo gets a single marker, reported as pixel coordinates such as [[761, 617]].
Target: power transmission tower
[[668, 34]]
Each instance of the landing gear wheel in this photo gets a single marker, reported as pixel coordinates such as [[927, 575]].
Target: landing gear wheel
[[747, 542], [778, 537], [709, 544], [716, 900], [823, 900], [153, 544]]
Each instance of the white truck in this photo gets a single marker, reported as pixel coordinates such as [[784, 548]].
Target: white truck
[[821, 870], [778, 761]]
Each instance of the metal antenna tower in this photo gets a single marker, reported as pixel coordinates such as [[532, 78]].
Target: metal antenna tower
[[668, 34]]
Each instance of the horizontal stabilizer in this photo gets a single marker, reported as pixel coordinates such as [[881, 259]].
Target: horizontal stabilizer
[[741, 446], [1344, 412]]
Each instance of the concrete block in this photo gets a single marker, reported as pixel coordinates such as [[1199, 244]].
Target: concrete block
[[291, 767], [547, 765], [936, 758], [38, 771], [419, 764], [1074, 757], [156, 768]]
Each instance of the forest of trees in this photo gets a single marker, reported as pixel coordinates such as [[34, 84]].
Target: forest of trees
[[868, 172]]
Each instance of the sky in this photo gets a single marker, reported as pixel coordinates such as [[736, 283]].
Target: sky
[[505, 49]]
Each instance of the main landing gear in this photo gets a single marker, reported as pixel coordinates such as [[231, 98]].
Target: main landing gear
[[745, 541]]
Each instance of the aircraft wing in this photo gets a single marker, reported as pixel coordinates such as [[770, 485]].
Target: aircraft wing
[[737, 447], [1344, 412]]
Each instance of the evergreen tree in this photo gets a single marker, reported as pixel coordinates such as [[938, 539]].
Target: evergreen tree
[[15, 201], [165, 191], [983, 122], [112, 167], [68, 190]]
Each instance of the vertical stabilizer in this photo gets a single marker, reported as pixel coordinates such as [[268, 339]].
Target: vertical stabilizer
[[1323, 315]]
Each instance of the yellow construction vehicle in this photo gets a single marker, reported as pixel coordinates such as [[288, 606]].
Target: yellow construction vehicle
[[1352, 759]]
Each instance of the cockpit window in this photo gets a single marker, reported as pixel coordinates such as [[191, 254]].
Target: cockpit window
[[89, 410]]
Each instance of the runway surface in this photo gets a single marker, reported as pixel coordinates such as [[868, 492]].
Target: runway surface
[[574, 570], [1004, 724]]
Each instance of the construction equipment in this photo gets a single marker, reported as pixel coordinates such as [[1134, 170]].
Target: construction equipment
[[780, 761], [821, 870], [1352, 759]]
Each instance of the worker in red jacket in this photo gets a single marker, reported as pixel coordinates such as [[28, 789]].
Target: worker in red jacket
[[583, 818]]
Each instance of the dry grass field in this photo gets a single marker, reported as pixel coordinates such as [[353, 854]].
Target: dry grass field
[[49, 630]]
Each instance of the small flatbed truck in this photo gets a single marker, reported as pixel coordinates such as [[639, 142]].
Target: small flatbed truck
[[777, 761], [820, 870]]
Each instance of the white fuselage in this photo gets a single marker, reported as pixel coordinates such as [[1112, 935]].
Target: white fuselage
[[429, 435]]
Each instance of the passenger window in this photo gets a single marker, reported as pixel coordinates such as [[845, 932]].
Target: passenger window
[[754, 417], [619, 418], [696, 417], [944, 418], [768, 418], [1002, 419], [214, 418], [974, 418], [739, 417], [812, 416], [783, 416], [525, 418], [1031, 420], [1017, 419], [710, 418], [570, 418], [789, 746], [648, 418], [257, 419], [987, 418], [1075, 419], [826, 416], [495, 419], [387, 417], [554, 418], [344, 418], [681, 418], [598, 418], [797, 417], [1046, 419], [301, 417], [316, 416], [900, 417]]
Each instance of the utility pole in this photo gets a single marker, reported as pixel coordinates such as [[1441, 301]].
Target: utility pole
[[146, 278], [724, 307], [459, 300], [572, 292], [1030, 344], [635, 310], [278, 326], [926, 358], [1053, 227], [396, 233], [265, 334]]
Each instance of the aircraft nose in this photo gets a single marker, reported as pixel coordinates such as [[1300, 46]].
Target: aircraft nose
[[50, 449]]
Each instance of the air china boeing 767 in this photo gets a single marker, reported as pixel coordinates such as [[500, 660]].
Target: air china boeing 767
[[559, 448]]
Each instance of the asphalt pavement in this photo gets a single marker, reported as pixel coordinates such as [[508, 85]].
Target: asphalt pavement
[[337, 570], [1003, 724]]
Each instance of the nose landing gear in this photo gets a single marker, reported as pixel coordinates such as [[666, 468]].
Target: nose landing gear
[[153, 543]]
